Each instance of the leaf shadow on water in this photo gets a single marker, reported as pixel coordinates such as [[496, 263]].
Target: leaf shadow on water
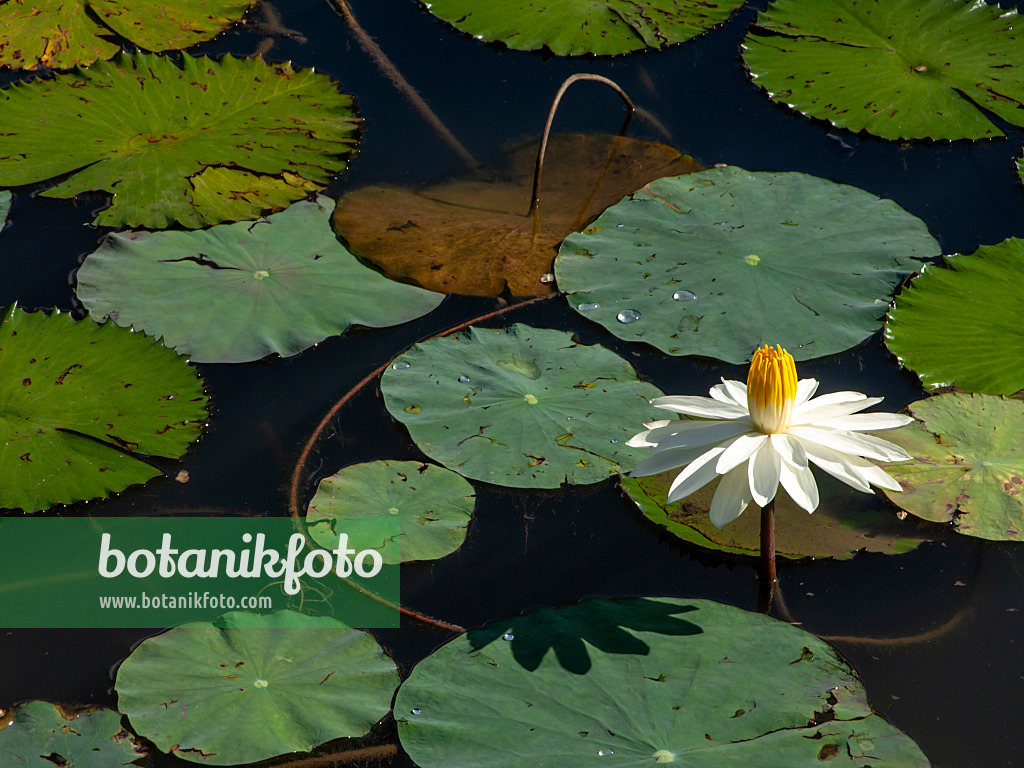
[[601, 623]]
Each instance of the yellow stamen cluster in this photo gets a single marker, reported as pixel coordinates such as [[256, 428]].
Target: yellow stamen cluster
[[771, 389]]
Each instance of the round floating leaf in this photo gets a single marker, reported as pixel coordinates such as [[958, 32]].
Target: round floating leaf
[[78, 399], [642, 681], [246, 688], [968, 464], [962, 325], [524, 407], [433, 504], [719, 262], [572, 27], [58, 34], [845, 522], [897, 69], [239, 292], [197, 143], [476, 237], [38, 734]]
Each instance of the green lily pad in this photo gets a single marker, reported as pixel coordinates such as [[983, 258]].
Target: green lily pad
[[38, 734], [962, 324], [899, 69], [239, 292], [433, 504], [573, 27], [709, 686], [968, 464], [845, 522], [5, 207], [197, 143], [523, 407], [719, 262], [246, 688], [78, 400], [59, 34]]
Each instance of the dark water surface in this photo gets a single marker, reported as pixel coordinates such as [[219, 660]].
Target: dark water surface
[[955, 691]]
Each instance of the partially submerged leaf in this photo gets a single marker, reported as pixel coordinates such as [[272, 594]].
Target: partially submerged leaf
[[897, 69], [845, 522], [642, 681], [5, 206], [476, 237], [573, 27], [239, 292], [59, 34], [433, 504], [719, 262], [196, 143], [961, 323], [78, 400], [524, 407], [968, 465], [247, 688], [38, 734]]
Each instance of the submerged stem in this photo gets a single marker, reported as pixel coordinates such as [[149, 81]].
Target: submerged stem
[[390, 71], [769, 578]]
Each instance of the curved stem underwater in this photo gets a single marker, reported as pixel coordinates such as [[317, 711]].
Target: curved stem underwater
[[300, 471]]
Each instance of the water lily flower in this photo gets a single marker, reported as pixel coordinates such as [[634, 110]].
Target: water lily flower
[[765, 433]]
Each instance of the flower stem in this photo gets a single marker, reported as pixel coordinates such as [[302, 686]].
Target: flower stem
[[768, 576]]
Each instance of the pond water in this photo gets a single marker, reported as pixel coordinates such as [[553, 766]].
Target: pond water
[[932, 632]]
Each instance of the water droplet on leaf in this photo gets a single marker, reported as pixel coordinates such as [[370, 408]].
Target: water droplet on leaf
[[401, 366], [464, 379], [684, 296], [416, 711], [588, 307], [508, 636], [628, 316], [604, 752]]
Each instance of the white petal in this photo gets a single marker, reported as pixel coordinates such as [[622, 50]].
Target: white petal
[[851, 442], [640, 440], [832, 398], [730, 391], [663, 461], [865, 422], [833, 411], [836, 464], [764, 470], [805, 389], [709, 432], [731, 498], [704, 407], [699, 473], [739, 450], [878, 476], [800, 485], [790, 450]]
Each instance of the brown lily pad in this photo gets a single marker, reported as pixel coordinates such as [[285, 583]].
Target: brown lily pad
[[845, 522], [476, 236]]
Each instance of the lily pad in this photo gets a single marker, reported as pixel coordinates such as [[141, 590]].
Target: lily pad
[[845, 522], [968, 464], [709, 686], [196, 143], [38, 734], [962, 324], [524, 407], [59, 34], [476, 237], [5, 207], [897, 69], [720, 262], [433, 504], [246, 688], [239, 292], [573, 27], [79, 401]]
